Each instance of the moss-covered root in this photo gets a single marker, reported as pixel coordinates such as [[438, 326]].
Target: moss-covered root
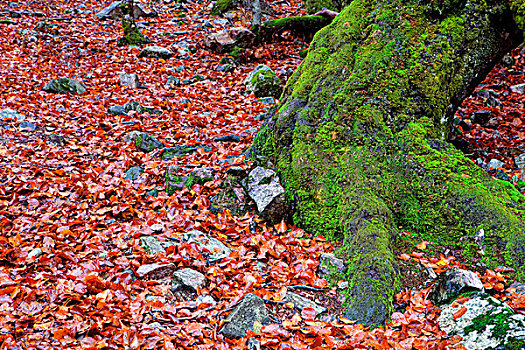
[[305, 26], [359, 139], [312, 6], [372, 273]]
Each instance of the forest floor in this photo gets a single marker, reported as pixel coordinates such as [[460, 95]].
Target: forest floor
[[71, 223]]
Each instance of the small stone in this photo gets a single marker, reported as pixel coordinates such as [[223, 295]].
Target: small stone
[[143, 141], [454, 283], [263, 82], [155, 52], [495, 164], [35, 253], [130, 80], [264, 188], [155, 271], [157, 228], [134, 173], [188, 279], [228, 138], [65, 86], [520, 161], [152, 245], [172, 82], [11, 114], [301, 302], [211, 247], [519, 89], [205, 299], [250, 311], [330, 265], [27, 126], [481, 117]]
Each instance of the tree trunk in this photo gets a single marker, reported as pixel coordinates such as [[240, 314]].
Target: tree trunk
[[360, 138], [132, 35]]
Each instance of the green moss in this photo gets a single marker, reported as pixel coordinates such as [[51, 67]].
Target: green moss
[[359, 140], [221, 6], [500, 321]]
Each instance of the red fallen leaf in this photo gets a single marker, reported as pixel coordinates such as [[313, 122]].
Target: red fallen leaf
[[308, 314], [398, 319], [61, 333], [422, 245], [281, 228], [416, 254], [405, 257], [459, 313]]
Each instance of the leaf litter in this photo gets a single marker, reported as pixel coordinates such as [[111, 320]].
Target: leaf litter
[[72, 224]]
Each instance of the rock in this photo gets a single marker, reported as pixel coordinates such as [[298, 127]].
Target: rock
[[301, 302], [517, 287], [131, 80], [254, 344], [481, 117], [35, 253], [113, 12], [56, 139], [205, 299], [134, 173], [155, 271], [132, 106], [27, 126], [226, 40], [199, 176], [520, 161], [211, 248], [454, 283], [152, 245], [487, 323], [263, 82], [174, 181], [232, 195], [495, 164], [519, 89], [331, 267], [264, 188], [250, 310], [178, 151], [157, 228], [11, 114], [65, 86], [143, 141], [172, 82], [188, 279], [155, 52], [228, 138]]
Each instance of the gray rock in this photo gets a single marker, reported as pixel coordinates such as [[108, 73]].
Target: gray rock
[[254, 344], [199, 176], [331, 266], [113, 12], [205, 299], [35, 253], [228, 138], [517, 287], [301, 302], [134, 173], [132, 106], [28, 126], [143, 141], [520, 161], [487, 323], [519, 89], [152, 245], [172, 82], [11, 114], [494, 164], [155, 271], [155, 52], [454, 283], [264, 188], [130, 80], [65, 86], [263, 82], [213, 249], [225, 40], [481, 117], [249, 310], [157, 228], [188, 279], [174, 180]]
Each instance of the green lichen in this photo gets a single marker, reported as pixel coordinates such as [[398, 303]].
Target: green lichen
[[360, 139]]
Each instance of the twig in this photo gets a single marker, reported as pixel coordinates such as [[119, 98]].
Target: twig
[[307, 288]]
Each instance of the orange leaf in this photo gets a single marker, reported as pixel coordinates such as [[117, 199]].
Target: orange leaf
[[459, 313]]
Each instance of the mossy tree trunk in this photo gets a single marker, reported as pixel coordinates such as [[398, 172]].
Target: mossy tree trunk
[[360, 138], [132, 35]]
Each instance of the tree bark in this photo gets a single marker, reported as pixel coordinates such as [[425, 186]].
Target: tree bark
[[360, 138]]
